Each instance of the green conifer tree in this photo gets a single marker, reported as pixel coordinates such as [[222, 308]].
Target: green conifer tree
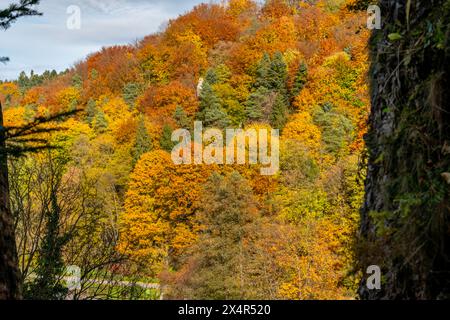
[[130, 93], [166, 142], [100, 121], [277, 74], [77, 81], [143, 142], [254, 104], [50, 265], [278, 116], [211, 112], [211, 76], [262, 72], [181, 118], [300, 80], [91, 111]]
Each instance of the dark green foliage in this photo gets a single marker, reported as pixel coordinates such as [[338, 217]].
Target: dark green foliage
[[269, 102], [22, 81], [211, 77], [25, 83], [91, 111], [166, 139], [262, 72], [300, 80], [207, 98], [214, 116], [278, 117], [95, 117], [211, 111], [17, 10], [255, 102], [327, 107], [50, 266], [100, 122], [360, 5], [143, 142], [130, 93], [231, 110], [271, 73], [34, 80], [181, 117], [277, 74], [77, 81]]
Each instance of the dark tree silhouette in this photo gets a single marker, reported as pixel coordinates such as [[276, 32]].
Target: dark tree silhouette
[[9, 271]]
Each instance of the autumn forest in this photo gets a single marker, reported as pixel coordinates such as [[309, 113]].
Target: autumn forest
[[92, 183]]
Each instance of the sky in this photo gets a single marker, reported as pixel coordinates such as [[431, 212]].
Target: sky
[[54, 41]]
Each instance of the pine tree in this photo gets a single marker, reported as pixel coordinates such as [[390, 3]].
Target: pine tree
[[35, 80], [277, 74], [278, 117], [77, 81], [211, 77], [50, 265], [271, 80], [91, 111], [23, 82], [262, 72], [300, 80], [211, 112], [100, 122], [181, 118], [130, 93], [254, 104], [143, 142], [166, 142], [216, 117]]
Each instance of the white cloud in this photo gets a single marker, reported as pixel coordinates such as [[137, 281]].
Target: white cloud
[[41, 43]]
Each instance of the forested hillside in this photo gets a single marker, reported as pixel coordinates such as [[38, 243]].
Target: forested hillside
[[109, 199]]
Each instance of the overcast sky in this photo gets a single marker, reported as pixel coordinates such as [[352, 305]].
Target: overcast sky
[[40, 43]]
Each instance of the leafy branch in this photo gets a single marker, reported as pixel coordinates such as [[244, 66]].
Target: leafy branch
[[23, 139], [16, 10]]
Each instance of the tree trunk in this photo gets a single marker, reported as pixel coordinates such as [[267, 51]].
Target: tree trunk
[[405, 222], [9, 271]]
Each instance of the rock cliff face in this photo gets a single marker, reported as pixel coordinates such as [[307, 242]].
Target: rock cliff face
[[405, 225]]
